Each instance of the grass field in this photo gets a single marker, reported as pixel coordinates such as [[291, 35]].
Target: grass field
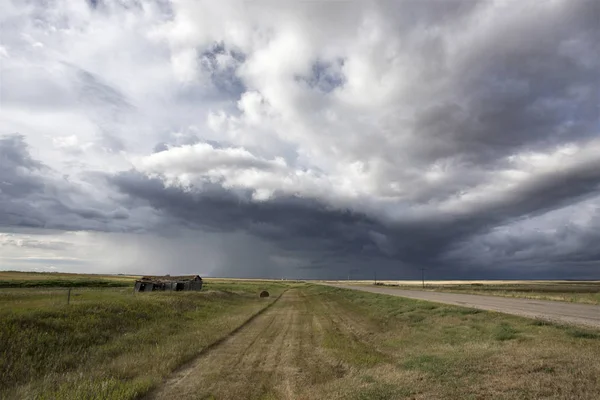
[[109, 342], [585, 292], [314, 342], [16, 279], [322, 342]]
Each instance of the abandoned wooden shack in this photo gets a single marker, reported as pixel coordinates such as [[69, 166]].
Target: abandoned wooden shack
[[173, 283]]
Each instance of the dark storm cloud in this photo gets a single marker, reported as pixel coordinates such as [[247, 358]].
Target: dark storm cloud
[[15, 165], [534, 86], [286, 221], [430, 239], [555, 251], [342, 237], [30, 197], [299, 226], [18, 181]]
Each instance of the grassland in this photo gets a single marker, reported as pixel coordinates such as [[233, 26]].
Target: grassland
[[314, 342], [585, 292], [110, 343], [323, 342], [413, 349], [16, 279]]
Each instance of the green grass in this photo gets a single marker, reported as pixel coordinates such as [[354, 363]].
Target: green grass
[[505, 331], [112, 343], [351, 350]]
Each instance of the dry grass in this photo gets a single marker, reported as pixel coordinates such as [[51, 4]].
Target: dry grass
[[418, 282], [37, 276], [585, 292], [110, 343], [322, 342], [315, 342], [436, 351], [16, 279]]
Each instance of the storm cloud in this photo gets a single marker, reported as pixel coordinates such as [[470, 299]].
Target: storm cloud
[[308, 139]]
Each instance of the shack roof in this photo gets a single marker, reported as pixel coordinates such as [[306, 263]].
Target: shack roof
[[172, 278]]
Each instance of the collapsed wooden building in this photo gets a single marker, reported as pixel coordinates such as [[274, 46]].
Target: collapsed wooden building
[[173, 283]]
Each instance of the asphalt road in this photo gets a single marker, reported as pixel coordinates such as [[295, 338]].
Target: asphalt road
[[555, 311]]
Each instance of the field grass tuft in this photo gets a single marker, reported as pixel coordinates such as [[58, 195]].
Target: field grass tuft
[[505, 331], [578, 333]]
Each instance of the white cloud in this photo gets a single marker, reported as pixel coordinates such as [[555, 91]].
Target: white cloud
[[65, 141]]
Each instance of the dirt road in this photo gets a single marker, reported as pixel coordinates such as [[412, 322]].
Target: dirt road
[[578, 314], [276, 355]]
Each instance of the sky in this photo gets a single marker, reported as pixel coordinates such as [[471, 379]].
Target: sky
[[290, 139]]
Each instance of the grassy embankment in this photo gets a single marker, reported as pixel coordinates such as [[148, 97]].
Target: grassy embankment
[[574, 292], [109, 342]]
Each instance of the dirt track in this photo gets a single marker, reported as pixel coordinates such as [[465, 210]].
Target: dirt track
[[578, 314], [272, 356]]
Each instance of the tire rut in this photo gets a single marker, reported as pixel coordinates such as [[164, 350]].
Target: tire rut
[[255, 361], [183, 373]]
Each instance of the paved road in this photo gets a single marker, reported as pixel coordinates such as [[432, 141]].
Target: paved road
[[556, 311]]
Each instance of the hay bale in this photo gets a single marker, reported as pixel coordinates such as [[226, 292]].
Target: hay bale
[[264, 293]]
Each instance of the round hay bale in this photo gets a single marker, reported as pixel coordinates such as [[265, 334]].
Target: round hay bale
[[264, 293]]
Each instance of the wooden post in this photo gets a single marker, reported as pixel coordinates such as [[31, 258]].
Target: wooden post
[[69, 296]]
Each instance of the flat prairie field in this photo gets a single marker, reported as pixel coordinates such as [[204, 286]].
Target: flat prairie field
[[585, 292], [16, 279], [305, 341]]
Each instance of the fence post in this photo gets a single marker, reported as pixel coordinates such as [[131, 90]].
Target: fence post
[[69, 296]]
